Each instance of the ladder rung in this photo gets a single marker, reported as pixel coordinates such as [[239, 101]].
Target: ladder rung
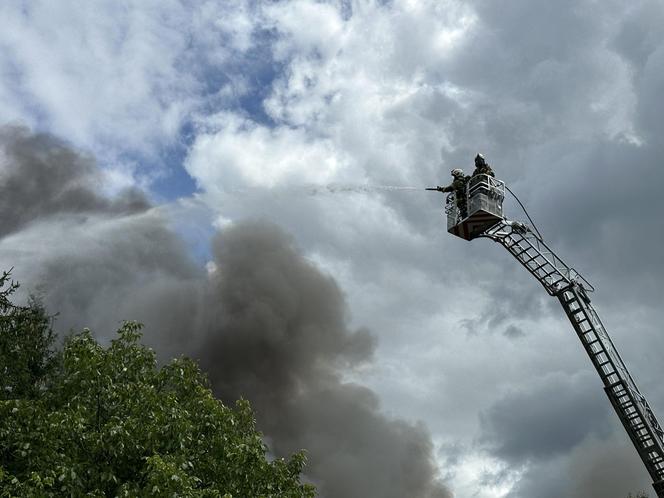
[[531, 257], [542, 268], [527, 261], [519, 253], [534, 270], [570, 300], [622, 396]]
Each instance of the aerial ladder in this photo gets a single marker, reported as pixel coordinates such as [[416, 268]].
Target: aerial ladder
[[484, 219]]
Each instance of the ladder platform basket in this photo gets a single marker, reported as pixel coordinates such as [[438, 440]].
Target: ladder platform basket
[[484, 201]]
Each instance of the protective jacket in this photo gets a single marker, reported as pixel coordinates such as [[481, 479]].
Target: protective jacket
[[484, 169], [458, 186]]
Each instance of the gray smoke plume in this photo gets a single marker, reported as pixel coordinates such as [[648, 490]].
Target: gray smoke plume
[[42, 176], [280, 339], [266, 324]]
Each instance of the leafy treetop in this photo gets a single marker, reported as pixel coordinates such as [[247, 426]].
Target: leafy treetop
[[97, 422]]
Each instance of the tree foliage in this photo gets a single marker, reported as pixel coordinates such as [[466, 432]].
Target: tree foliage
[[26, 340], [95, 421]]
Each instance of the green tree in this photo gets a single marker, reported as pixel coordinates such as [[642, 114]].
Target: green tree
[[26, 340], [95, 421]]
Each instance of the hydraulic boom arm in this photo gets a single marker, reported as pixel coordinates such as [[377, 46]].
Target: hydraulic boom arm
[[571, 290]]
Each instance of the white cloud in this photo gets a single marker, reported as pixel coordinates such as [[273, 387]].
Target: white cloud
[[244, 153], [119, 79], [97, 71], [307, 28]]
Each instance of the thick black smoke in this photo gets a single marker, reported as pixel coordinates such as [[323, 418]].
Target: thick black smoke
[[266, 324]]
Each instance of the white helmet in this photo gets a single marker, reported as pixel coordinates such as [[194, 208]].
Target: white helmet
[[456, 172]]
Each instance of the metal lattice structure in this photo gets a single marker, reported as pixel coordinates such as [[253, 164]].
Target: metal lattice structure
[[571, 289]]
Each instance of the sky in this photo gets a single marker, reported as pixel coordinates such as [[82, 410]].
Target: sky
[[217, 170]]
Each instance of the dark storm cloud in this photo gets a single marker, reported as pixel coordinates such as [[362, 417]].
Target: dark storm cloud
[[604, 221], [267, 325], [562, 435], [508, 303], [533, 67], [513, 332], [640, 34], [41, 176], [544, 419], [640, 41], [595, 469]]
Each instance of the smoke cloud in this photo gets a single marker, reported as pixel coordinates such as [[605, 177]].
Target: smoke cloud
[[265, 323], [41, 176], [280, 338]]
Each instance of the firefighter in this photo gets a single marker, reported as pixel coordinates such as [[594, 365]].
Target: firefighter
[[458, 186], [482, 167]]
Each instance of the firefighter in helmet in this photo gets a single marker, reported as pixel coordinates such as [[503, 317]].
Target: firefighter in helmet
[[482, 167], [458, 186]]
